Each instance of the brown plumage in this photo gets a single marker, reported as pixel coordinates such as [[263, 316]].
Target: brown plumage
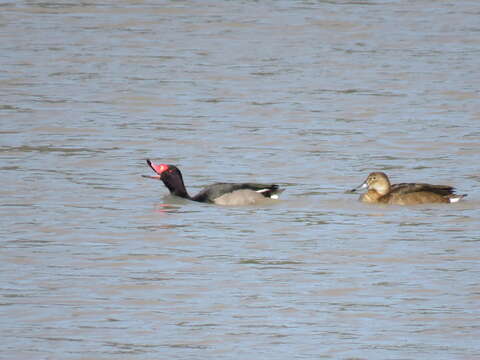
[[381, 191]]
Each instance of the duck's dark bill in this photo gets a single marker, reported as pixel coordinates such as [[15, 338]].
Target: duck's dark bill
[[157, 177], [362, 186], [157, 168]]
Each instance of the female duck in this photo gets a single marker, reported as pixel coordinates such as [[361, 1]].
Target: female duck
[[379, 190]]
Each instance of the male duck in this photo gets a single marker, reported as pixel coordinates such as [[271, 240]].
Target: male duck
[[219, 193]]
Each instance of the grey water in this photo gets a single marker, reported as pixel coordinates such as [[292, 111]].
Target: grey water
[[97, 262]]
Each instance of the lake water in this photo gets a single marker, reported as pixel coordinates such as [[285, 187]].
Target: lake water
[[99, 263]]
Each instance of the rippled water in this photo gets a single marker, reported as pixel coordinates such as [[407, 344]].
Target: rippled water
[[99, 263]]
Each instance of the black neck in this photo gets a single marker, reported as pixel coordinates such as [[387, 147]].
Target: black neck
[[174, 183], [182, 192]]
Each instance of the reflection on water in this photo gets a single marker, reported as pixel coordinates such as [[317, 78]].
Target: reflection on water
[[98, 262]]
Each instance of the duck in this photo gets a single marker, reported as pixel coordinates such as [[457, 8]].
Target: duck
[[229, 194], [379, 190]]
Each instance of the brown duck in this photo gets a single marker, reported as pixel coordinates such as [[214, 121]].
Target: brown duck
[[379, 190]]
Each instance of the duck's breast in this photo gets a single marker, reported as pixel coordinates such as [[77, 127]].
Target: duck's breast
[[371, 196]]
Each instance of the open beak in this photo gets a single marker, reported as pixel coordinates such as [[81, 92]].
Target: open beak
[[157, 168]]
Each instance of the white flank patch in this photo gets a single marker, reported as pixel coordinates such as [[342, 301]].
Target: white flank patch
[[274, 196], [454, 200], [262, 190]]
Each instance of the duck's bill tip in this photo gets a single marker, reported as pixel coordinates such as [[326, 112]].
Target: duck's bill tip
[[158, 168], [362, 186]]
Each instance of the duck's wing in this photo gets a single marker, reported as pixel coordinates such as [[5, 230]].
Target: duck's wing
[[212, 192], [267, 190], [407, 188]]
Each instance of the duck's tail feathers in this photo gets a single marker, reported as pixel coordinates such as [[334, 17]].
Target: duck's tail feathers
[[271, 191], [457, 198]]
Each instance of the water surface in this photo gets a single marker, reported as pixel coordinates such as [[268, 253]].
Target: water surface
[[100, 263]]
